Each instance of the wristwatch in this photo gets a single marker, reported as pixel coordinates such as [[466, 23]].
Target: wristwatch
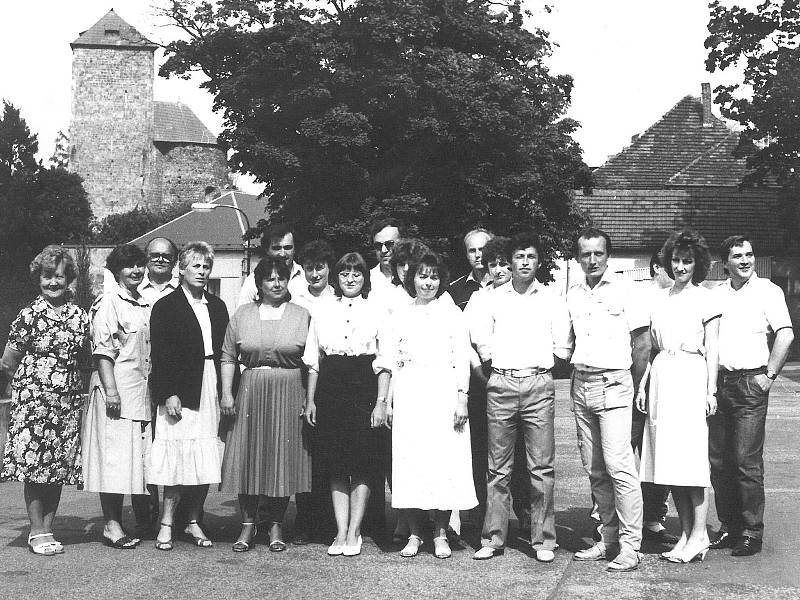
[[771, 374]]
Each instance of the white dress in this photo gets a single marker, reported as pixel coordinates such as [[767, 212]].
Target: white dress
[[675, 446], [428, 350]]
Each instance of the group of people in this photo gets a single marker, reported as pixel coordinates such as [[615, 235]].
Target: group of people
[[331, 378]]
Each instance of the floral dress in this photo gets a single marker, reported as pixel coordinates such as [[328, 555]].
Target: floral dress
[[46, 395]]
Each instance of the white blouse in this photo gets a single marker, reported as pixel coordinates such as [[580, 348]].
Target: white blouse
[[345, 326]]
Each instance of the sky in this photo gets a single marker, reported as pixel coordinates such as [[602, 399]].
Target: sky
[[631, 60]]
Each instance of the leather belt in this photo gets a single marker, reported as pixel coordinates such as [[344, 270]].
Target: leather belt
[[740, 372], [520, 373]]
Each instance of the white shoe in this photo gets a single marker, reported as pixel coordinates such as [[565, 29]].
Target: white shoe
[[487, 552], [335, 549], [545, 556], [353, 550]]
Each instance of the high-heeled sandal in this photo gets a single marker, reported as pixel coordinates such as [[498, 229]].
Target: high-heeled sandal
[[441, 548], [199, 541], [412, 547], [241, 545], [276, 544], [165, 546]]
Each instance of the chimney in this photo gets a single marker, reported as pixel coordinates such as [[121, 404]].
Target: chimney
[[706, 95]]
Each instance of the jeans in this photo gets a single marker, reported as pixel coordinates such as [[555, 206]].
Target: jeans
[[526, 404], [736, 446], [602, 405]]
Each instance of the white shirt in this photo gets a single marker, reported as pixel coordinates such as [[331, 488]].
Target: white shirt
[[603, 318], [345, 326], [520, 331], [249, 292], [200, 308], [151, 294], [308, 300], [749, 315]]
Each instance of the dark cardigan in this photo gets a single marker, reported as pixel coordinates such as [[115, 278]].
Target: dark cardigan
[[176, 346]]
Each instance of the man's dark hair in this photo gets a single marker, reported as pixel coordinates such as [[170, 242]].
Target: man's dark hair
[[592, 232], [525, 239], [497, 247], [656, 260], [731, 242], [316, 251], [381, 224], [276, 231]]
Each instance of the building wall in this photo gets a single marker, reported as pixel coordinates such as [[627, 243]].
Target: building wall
[[180, 172], [110, 131]]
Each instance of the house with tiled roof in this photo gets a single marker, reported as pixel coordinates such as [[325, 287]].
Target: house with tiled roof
[[131, 150]]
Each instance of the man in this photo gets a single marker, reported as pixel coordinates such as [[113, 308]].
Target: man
[[384, 235], [478, 277], [608, 320], [159, 279], [278, 240], [523, 326], [752, 309]]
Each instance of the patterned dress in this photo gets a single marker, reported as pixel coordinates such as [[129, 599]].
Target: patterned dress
[[46, 399]]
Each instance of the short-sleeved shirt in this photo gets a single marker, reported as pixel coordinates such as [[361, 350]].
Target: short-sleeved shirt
[[603, 318], [121, 332], [151, 294], [749, 315], [678, 320]]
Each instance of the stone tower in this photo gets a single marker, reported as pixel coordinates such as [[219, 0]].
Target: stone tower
[[112, 114]]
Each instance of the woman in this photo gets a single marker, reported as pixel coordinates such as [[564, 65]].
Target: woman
[[116, 430], [683, 383], [186, 332], [41, 358], [266, 453], [430, 359], [347, 390]]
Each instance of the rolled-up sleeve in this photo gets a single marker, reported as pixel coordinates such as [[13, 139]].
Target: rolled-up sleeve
[[106, 328]]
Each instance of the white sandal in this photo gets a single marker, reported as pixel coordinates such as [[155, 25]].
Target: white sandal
[[441, 548], [412, 547], [46, 548]]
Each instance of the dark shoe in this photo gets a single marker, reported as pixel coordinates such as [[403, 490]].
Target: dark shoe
[[723, 540], [746, 546], [660, 537], [302, 537], [121, 543]]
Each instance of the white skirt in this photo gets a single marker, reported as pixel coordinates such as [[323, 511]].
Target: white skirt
[[189, 451]]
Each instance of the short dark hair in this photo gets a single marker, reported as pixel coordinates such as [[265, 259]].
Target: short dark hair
[[316, 251], [48, 260], [264, 269], [525, 239], [172, 246], [688, 240], [382, 224], [497, 247], [126, 255], [656, 260], [352, 261], [731, 242], [276, 231], [430, 260], [593, 232], [406, 251]]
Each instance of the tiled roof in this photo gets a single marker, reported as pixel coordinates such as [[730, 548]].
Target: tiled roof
[[175, 122], [677, 150], [222, 228], [642, 219], [113, 31]]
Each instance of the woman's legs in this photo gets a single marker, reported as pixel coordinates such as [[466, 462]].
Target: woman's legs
[[276, 509], [248, 505], [172, 495], [440, 520], [698, 510], [41, 502], [142, 511], [111, 505], [195, 499], [359, 497], [340, 497]]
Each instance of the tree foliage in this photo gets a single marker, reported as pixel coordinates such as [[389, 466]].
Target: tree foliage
[[766, 102], [18, 147], [441, 112], [124, 227]]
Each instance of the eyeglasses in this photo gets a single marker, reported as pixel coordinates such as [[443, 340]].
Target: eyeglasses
[[378, 246], [156, 256]]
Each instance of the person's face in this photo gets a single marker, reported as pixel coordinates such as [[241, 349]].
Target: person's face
[[524, 262], [593, 258], [197, 272], [273, 288], [316, 275], [682, 266], [401, 272], [660, 277], [131, 277], [741, 262], [53, 284], [160, 258], [499, 270], [351, 283], [426, 283], [282, 247], [383, 242], [474, 247]]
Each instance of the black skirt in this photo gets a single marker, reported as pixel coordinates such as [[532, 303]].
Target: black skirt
[[346, 445]]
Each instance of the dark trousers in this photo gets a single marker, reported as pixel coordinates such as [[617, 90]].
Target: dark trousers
[[736, 447], [654, 496]]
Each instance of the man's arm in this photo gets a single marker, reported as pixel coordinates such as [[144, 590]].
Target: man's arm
[[780, 349], [640, 341]]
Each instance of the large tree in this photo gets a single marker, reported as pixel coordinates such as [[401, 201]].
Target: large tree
[[442, 112], [763, 43], [18, 147]]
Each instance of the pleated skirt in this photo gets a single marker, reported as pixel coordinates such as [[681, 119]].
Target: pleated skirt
[[115, 452], [267, 451], [188, 451]]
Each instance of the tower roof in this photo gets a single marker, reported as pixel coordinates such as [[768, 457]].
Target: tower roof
[[176, 122], [112, 32]]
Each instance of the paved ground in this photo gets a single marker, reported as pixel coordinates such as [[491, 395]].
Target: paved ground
[[89, 569]]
